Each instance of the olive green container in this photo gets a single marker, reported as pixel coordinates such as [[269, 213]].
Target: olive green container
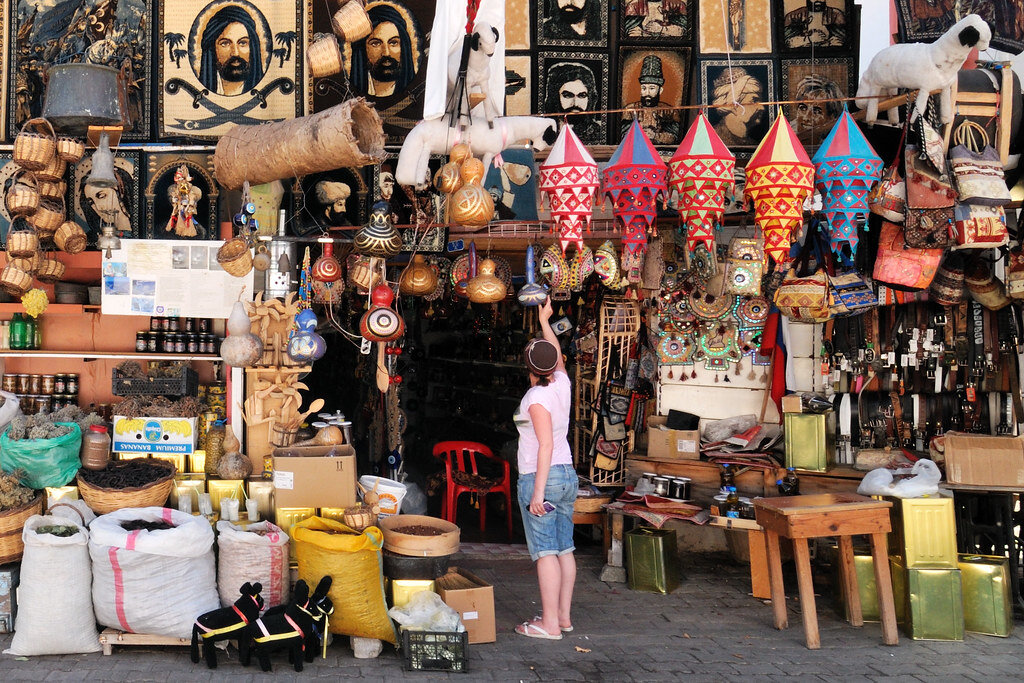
[[864, 567], [923, 532], [929, 602], [987, 603], [651, 560], [810, 440]]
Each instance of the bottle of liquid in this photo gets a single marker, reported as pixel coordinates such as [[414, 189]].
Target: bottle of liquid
[[726, 477], [18, 331], [5, 335], [792, 481], [95, 448], [37, 336], [732, 503], [30, 333]]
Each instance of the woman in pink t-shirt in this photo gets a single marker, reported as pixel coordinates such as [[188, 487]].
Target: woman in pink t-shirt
[[547, 481]]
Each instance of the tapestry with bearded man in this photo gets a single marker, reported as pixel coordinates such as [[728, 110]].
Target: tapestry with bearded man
[[572, 23], [735, 92], [227, 62]]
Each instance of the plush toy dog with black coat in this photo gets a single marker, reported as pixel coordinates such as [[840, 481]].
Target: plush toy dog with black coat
[[227, 623], [291, 628]]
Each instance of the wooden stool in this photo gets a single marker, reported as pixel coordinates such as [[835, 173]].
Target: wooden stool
[[827, 514], [598, 519]]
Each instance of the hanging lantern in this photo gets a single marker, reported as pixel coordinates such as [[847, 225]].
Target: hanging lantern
[[846, 166], [532, 294], [634, 179], [569, 178], [702, 173], [780, 177]]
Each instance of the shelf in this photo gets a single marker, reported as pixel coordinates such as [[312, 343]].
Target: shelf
[[113, 355], [52, 309]]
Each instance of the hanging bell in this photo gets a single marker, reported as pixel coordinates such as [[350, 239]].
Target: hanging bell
[[284, 264], [102, 174]]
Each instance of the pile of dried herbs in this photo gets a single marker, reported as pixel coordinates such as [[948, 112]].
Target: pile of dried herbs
[[61, 530], [44, 425], [132, 369], [125, 474], [12, 493], [142, 525], [159, 406]]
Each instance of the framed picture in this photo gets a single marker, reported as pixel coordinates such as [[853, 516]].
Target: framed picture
[[810, 81], [188, 171], [746, 26], [568, 83], [572, 23], [45, 33], [513, 186], [93, 207], [517, 24], [226, 62], [926, 20], [803, 25], [664, 21], [518, 85], [652, 82], [733, 92], [332, 198]]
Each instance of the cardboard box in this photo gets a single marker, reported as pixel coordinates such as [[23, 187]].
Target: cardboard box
[[317, 482], [473, 599], [792, 404], [984, 460], [154, 435], [674, 444]]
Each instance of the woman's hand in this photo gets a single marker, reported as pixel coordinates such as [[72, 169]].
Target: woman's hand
[[537, 504], [545, 311]]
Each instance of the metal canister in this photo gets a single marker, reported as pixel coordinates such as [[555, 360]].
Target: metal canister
[[60, 383], [679, 488], [35, 384], [10, 384], [661, 486], [71, 385], [140, 341], [48, 384]]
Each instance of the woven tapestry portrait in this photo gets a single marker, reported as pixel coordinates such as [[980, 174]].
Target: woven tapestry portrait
[[180, 195], [816, 85], [653, 83], [574, 83], [227, 62], [736, 26], [114, 33], [805, 25], [668, 21], [92, 207], [926, 20]]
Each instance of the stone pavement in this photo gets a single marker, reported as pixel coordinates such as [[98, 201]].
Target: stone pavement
[[710, 629]]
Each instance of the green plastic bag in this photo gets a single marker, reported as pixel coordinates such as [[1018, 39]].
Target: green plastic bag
[[46, 462]]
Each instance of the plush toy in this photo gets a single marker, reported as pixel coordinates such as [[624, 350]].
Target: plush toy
[[227, 623], [436, 137], [924, 66], [289, 627], [320, 606], [482, 43]]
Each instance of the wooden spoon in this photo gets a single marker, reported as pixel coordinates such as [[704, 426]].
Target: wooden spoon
[[313, 407]]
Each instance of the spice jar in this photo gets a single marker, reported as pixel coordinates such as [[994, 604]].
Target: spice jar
[[35, 384], [140, 341], [214, 447], [152, 342], [193, 342], [10, 384], [203, 325], [43, 404], [173, 325], [168, 343], [154, 324], [60, 383], [95, 448], [190, 325], [48, 384], [71, 384], [22, 383]]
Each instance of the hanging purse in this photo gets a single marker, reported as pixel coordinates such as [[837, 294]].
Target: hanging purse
[[887, 296], [978, 226], [888, 197], [983, 285], [606, 453], [947, 289], [930, 201], [744, 268], [900, 266], [854, 292], [977, 168], [803, 295], [1015, 273]]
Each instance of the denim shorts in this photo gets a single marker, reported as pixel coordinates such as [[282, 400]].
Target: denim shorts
[[550, 534]]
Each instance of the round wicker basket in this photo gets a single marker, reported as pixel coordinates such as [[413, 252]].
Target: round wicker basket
[[22, 241], [358, 517], [35, 145], [12, 522], [351, 22], [14, 280], [70, 150], [70, 238], [50, 271], [53, 171], [48, 217], [29, 264], [55, 191], [23, 196], [324, 57], [591, 503], [234, 257], [103, 500]]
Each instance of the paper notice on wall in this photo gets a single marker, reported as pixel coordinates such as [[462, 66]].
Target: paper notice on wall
[[169, 277]]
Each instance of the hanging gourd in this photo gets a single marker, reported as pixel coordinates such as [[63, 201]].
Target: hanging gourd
[[701, 172], [780, 178], [305, 344], [379, 237], [555, 269], [485, 288], [326, 268], [568, 177], [531, 294], [380, 323], [419, 279], [241, 348], [472, 205]]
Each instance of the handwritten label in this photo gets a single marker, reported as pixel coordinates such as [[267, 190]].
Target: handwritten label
[[284, 480]]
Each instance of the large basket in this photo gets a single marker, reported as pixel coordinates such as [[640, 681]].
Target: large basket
[[14, 280], [35, 145], [50, 271], [324, 57], [234, 257], [29, 264], [22, 241], [47, 218], [12, 523], [351, 22], [70, 238], [22, 198], [591, 503], [53, 190], [53, 171], [103, 500], [70, 150]]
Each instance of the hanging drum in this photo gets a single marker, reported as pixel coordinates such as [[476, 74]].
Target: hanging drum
[[83, 95]]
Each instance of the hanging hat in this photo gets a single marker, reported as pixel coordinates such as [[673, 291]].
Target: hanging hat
[[541, 357], [650, 71]]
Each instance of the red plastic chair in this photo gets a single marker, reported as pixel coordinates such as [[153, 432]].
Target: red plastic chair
[[460, 455]]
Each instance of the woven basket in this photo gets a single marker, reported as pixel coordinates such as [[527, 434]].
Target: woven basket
[[23, 196], [29, 264], [103, 500], [70, 238], [22, 241], [324, 57], [47, 218], [70, 150], [12, 523], [50, 271], [14, 280], [358, 517], [53, 171], [234, 257], [351, 22], [35, 145], [55, 190], [591, 503]]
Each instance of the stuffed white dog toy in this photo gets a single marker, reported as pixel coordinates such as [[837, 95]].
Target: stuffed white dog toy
[[434, 136], [478, 69], [924, 66]]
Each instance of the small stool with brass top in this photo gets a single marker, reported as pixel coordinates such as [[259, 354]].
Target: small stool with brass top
[[821, 515]]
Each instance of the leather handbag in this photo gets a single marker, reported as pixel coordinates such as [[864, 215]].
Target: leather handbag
[[984, 287], [803, 295], [744, 267], [853, 291], [901, 266], [947, 289], [1015, 273], [978, 226], [979, 176], [930, 201]]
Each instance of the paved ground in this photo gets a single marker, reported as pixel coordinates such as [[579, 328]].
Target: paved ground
[[710, 628]]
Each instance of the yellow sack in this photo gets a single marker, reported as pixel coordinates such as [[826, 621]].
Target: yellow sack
[[325, 547]]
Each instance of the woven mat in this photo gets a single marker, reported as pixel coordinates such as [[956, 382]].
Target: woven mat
[[657, 518]]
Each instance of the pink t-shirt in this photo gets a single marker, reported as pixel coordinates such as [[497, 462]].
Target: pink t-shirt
[[556, 398]]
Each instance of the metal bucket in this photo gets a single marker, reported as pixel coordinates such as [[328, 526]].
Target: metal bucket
[[83, 95]]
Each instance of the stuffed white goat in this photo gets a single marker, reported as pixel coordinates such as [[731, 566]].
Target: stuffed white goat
[[924, 66], [478, 69], [434, 136]]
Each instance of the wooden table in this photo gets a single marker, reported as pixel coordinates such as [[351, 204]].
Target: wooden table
[[820, 515]]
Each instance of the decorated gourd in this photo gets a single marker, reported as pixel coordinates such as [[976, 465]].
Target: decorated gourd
[[380, 323], [531, 294], [305, 345], [472, 205], [485, 288], [261, 260], [379, 237], [326, 268], [241, 348], [553, 267], [419, 279]]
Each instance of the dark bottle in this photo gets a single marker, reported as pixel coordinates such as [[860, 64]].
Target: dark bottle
[[732, 503], [793, 482], [726, 477]]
